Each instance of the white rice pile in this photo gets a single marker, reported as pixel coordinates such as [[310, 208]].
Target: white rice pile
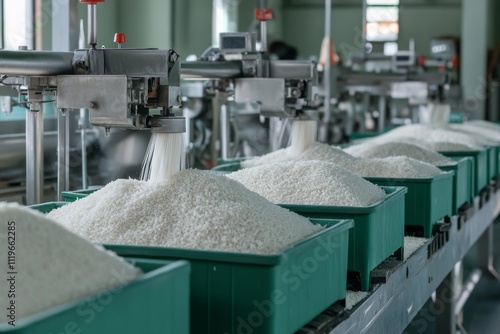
[[485, 124], [403, 139], [310, 183], [302, 135], [394, 149], [489, 133], [437, 139], [164, 157], [53, 265], [479, 136], [315, 151], [412, 244], [397, 167], [352, 298], [194, 209], [394, 167], [328, 153], [276, 156], [448, 146]]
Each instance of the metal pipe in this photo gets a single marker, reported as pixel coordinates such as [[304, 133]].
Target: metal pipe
[[34, 157], [210, 69], [326, 74], [31, 63], [83, 140], [225, 131], [62, 152], [92, 25], [363, 37], [214, 142], [263, 36], [381, 107]]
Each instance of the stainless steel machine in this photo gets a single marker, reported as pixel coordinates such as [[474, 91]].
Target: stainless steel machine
[[238, 71], [122, 88], [281, 88]]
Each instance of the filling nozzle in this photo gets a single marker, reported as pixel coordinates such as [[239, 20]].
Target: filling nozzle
[[166, 124]]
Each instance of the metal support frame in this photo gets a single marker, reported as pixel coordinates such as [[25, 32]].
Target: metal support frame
[[65, 30], [83, 142], [221, 140], [445, 297], [34, 157], [225, 131], [381, 118], [62, 152], [214, 142], [485, 254]]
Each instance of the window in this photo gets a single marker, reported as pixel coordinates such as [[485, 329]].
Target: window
[[224, 18], [382, 20], [17, 24]]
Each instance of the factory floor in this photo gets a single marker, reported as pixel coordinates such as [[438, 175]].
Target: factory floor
[[482, 311]]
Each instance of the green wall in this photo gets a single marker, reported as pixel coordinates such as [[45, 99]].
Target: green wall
[[192, 26], [146, 23], [304, 26], [419, 19], [425, 22], [107, 22]]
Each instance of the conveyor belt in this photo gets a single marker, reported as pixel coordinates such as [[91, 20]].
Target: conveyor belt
[[390, 307]]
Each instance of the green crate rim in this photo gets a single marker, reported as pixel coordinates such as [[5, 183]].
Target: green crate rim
[[443, 175], [392, 193], [164, 267], [342, 225], [460, 153], [219, 256]]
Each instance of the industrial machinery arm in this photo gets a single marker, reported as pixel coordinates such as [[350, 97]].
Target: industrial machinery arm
[[118, 86]]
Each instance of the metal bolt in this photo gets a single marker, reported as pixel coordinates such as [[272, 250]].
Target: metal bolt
[[92, 105]]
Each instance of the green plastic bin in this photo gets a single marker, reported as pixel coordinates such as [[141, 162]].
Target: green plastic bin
[[278, 293], [156, 302], [492, 153], [249, 293], [463, 189], [47, 207], [221, 161], [71, 196], [481, 179], [378, 230], [228, 167], [498, 160], [427, 201]]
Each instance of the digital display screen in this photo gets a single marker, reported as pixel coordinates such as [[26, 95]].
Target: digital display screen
[[402, 58], [236, 42]]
